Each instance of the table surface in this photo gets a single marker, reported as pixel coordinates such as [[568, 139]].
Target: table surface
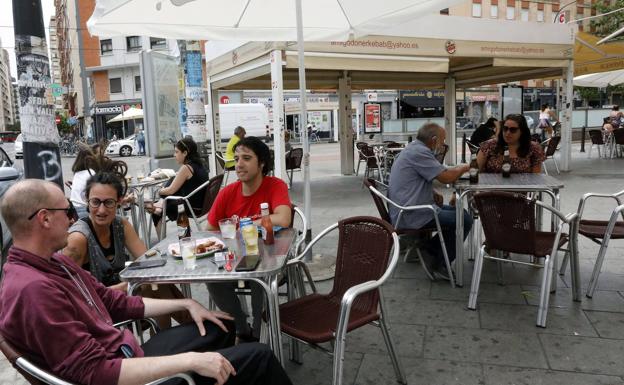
[[273, 258], [143, 183], [496, 181]]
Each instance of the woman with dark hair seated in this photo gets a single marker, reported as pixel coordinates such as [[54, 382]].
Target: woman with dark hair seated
[[484, 132], [525, 155], [102, 241], [189, 177]]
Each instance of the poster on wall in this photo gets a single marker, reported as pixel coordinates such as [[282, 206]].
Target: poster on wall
[[160, 98], [372, 118], [36, 111], [196, 115]]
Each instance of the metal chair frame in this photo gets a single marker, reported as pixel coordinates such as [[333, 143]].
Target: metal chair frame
[[290, 158], [226, 170], [36, 375], [597, 139], [550, 151], [345, 309], [617, 212], [163, 228], [550, 263], [438, 227]]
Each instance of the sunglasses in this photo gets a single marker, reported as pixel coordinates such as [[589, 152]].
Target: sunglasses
[[512, 130], [95, 203], [70, 211]]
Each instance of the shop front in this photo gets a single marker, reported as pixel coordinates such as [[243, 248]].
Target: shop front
[[104, 112]]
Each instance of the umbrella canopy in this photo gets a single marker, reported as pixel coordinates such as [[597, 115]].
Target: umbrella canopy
[[602, 79], [254, 20], [129, 114], [261, 20]]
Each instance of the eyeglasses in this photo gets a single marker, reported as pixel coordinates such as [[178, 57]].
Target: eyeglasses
[[512, 130], [70, 211], [109, 203]]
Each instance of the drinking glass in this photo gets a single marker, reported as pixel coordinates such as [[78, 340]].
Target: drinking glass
[[228, 228], [187, 250]]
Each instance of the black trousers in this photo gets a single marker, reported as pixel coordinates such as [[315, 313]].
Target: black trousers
[[255, 363]]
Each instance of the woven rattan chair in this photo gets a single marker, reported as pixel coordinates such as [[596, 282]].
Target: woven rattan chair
[[368, 154], [597, 140], [618, 141], [422, 234], [361, 157], [509, 226], [36, 374], [293, 163], [367, 253], [599, 231], [550, 147]]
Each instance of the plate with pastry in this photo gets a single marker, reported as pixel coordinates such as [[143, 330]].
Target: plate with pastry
[[204, 247]]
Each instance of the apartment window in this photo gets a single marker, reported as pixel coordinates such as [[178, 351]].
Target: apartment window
[[137, 83], [133, 43], [540, 16], [511, 13], [494, 11], [476, 10], [115, 85], [106, 46], [157, 42], [524, 14]]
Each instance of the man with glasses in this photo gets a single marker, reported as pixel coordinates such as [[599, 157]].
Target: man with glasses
[[63, 317], [411, 184]]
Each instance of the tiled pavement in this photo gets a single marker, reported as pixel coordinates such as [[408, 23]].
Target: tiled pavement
[[439, 341]]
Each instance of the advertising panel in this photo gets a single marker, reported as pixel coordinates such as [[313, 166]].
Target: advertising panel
[[372, 118], [161, 101]]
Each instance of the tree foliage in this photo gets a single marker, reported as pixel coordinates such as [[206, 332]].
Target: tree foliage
[[610, 23]]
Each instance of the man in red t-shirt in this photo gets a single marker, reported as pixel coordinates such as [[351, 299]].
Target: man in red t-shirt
[[243, 198]]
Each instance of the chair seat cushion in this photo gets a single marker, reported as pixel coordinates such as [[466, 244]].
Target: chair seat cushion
[[597, 229], [544, 242], [314, 318]]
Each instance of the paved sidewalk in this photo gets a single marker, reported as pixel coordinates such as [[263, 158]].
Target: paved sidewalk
[[441, 342]]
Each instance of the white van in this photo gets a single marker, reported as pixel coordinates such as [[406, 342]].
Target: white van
[[253, 117]]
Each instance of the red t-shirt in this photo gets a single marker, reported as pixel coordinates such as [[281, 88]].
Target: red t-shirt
[[230, 200]]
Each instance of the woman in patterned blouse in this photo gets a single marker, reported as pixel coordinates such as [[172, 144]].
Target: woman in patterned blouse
[[526, 156]]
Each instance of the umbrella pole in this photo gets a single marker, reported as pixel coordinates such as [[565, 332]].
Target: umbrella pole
[[303, 123]]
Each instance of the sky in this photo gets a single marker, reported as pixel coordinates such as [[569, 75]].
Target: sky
[[7, 40]]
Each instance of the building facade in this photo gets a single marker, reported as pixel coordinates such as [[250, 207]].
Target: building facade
[[7, 118], [15, 95], [102, 76], [55, 68]]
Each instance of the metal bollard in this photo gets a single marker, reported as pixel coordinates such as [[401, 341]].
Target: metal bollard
[[583, 138], [464, 148]]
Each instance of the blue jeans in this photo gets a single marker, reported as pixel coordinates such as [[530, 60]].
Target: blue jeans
[[447, 221]]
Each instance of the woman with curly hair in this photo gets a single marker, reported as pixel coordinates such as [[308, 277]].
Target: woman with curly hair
[[103, 242]]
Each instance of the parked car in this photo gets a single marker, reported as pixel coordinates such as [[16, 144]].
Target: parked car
[[19, 147], [8, 176], [122, 147]]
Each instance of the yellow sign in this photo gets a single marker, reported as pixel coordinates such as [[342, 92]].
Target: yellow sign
[[591, 58]]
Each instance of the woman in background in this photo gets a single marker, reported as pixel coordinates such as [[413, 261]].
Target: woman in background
[[526, 156], [189, 177]]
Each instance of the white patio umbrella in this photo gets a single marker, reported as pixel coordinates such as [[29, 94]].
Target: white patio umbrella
[[260, 20], [129, 114], [600, 79]]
